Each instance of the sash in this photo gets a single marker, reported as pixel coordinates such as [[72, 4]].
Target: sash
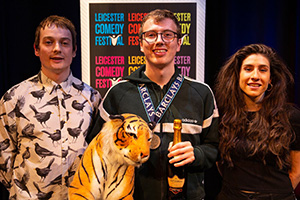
[[157, 114]]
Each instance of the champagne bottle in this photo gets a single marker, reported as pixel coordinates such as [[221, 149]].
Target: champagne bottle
[[176, 175]]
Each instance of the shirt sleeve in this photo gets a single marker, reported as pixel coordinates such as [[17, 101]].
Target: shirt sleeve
[[94, 128], [100, 118], [206, 153], [8, 138]]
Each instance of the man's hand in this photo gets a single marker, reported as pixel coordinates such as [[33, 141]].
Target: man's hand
[[181, 153]]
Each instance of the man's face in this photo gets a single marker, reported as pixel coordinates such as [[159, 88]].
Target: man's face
[[159, 53], [55, 50]]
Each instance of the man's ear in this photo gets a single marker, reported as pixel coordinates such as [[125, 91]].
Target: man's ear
[[36, 50], [141, 45], [74, 52], [179, 42]]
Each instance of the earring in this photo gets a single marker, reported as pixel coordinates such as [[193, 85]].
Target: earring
[[270, 86]]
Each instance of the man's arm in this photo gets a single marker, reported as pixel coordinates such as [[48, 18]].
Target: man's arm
[[206, 153], [95, 128], [203, 155], [101, 117], [8, 142]]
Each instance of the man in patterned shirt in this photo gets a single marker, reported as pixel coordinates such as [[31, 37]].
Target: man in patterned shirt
[[45, 119]]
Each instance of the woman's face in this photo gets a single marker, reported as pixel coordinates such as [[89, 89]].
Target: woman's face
[[255, 75]]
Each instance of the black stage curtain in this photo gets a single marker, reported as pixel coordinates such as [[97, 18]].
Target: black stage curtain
[[230, 24]]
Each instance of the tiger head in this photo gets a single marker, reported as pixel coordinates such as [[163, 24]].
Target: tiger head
[[131, 138]]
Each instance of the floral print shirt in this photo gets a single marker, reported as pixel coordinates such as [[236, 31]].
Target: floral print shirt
[[43, 126]]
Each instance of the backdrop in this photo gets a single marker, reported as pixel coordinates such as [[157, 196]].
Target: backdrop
[[230, 24]]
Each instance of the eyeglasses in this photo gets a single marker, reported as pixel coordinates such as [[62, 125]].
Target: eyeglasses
[[166, 36]]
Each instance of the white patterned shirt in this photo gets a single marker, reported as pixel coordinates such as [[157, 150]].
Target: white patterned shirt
[[43, 127]]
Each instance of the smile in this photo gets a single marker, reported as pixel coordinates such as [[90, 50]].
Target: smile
[[254, 84], [160, 51]]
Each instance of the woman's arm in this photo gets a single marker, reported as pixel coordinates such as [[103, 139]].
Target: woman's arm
[[295, 169]]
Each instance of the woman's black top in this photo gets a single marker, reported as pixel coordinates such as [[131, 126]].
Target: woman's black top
[[251, 174]]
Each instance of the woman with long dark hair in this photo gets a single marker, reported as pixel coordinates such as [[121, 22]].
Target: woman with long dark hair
[[259, 130]]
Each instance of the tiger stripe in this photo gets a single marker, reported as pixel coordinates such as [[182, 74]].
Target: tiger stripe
[[106, 171]]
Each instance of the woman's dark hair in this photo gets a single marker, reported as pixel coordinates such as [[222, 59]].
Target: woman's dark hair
[[269, 132]]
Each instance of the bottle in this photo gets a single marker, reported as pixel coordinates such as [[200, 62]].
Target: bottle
[[176, 175]]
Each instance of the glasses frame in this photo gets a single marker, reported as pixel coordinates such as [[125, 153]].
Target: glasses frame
[[161, 35]]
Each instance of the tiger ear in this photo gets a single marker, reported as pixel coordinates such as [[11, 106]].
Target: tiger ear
[[121, 117], [151, 125]]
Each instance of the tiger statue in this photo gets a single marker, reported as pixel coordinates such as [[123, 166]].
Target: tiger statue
[[106, 169]]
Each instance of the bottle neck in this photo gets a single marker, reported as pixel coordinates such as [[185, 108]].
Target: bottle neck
[[177, 131], [177, 136]]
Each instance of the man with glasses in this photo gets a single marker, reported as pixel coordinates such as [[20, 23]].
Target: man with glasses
[[158, 92]]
